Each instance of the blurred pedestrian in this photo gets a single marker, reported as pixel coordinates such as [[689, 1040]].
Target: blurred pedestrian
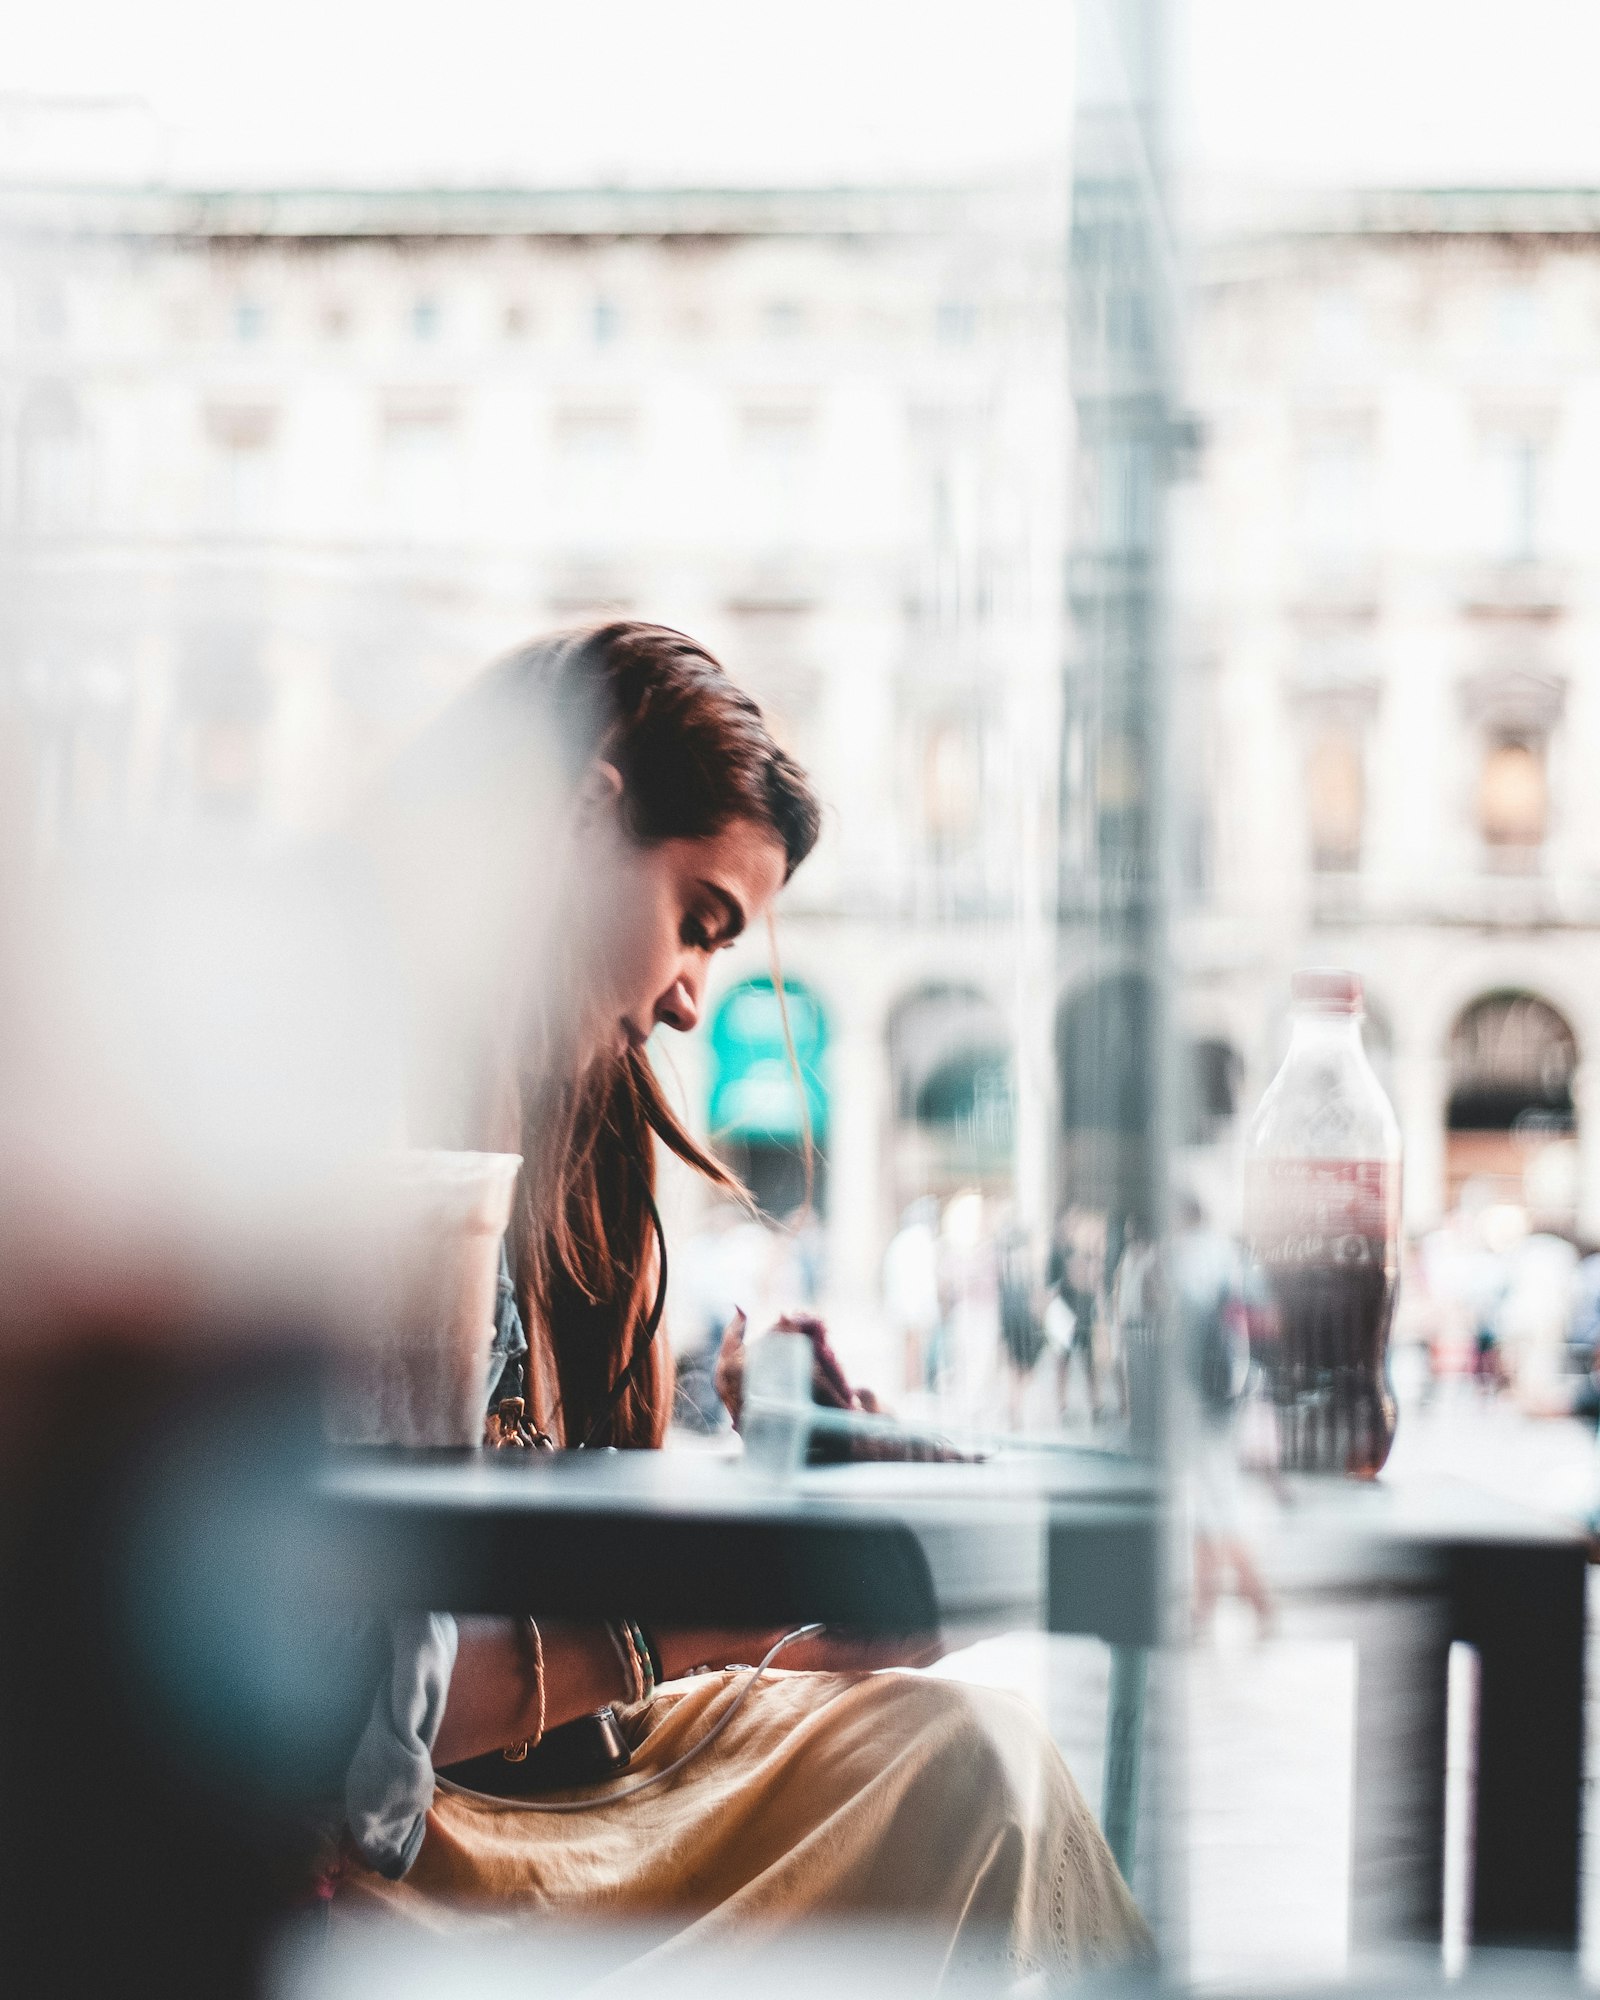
[[1022, 1338], [1211, 1301], [1075, 1274], [911, 1290]]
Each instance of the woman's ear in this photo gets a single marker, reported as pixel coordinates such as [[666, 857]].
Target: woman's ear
[[599, 789]]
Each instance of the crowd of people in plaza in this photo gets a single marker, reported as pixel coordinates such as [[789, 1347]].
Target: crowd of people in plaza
[[1495, 1297], [983, 1324]]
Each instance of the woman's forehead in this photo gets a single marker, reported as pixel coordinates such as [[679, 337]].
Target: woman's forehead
[[744, 857]]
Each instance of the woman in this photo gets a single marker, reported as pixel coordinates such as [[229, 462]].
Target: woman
[[623, 801]]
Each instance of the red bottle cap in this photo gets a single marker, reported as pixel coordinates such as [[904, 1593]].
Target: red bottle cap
[[1328, 992]]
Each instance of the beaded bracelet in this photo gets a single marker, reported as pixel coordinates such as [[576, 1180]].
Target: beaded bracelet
[[649, 1663], [514, 1753], [627, 1653]]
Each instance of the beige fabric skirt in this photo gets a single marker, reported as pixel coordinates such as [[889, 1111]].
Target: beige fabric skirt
[[891, 1796]]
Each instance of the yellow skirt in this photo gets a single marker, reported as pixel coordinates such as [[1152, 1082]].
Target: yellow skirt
[[888, 1796]]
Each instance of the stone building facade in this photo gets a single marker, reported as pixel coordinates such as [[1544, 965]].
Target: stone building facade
[[1389, 611], [279, 471]]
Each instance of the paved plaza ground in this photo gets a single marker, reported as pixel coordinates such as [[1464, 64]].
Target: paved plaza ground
[[1265, 1831]]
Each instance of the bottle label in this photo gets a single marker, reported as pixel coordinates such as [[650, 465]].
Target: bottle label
[[1322, 1212]]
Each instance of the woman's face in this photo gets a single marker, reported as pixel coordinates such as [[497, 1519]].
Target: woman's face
[[655, 916]]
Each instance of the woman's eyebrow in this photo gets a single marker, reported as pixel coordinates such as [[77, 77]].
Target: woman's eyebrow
[[732, 910]]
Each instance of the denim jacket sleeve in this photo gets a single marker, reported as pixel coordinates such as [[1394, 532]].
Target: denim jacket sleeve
[[389, 1781], [389, 1784]]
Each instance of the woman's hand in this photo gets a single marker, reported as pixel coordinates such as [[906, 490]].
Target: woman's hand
[[728, 1375], [494, 1693], [684, 1649], [829, 1386]]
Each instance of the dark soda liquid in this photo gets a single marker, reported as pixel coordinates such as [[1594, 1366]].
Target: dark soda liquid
[[1329, 1376]]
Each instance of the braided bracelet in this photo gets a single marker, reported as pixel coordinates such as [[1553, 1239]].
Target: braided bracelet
[[514, 1753]]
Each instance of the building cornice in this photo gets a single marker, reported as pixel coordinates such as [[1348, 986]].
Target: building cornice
[[312, 215], [1289, 218]]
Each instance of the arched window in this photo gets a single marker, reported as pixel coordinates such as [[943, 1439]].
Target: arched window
[[1104, 1047], [1107, 1061], [1210, 1081], [1512, 1114], [1512, 1059], [950, 1063]]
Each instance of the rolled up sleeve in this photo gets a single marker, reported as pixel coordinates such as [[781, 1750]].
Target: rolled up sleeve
[[389, 1782]]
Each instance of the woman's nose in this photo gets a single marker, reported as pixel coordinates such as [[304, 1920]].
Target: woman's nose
[[679, 1006]]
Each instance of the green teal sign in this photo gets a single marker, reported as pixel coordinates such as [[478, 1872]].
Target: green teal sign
[[753, 1089]]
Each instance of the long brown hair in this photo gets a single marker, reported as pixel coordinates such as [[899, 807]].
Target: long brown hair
[[695, 755]]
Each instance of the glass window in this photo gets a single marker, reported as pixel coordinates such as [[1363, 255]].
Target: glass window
[[1512, 476], [956, 322], [595, 450], [1517, 319], [784, 318], [1338, 325], [420, 469], [777, 466], [1512, 796], [242, 444], [54, 468], [1126, 496], [1336, 798], [952, 784], [1337, 501]]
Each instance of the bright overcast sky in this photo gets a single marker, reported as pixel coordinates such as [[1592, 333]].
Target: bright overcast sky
[[755, 90]]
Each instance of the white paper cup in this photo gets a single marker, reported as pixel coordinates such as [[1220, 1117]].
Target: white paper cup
[[417, 1373]]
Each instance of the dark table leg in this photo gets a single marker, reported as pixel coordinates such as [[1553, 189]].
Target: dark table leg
[[1522, 1607]]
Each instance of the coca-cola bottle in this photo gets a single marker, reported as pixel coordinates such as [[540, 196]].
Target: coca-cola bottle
[[1322, 1208]]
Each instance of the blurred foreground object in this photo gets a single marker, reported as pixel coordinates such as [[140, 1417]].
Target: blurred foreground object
[[418, 1377], [1323, 1208], [176, 1693]]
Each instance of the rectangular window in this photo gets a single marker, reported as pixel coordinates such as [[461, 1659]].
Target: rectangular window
[[421, 468], [1126, 493], [956, 322], [1336, 799], [595, 459], [244, 466], [54, 466], [1337, 502], [783, 319], [1512, 480], [1513, 801], [776, 466]]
